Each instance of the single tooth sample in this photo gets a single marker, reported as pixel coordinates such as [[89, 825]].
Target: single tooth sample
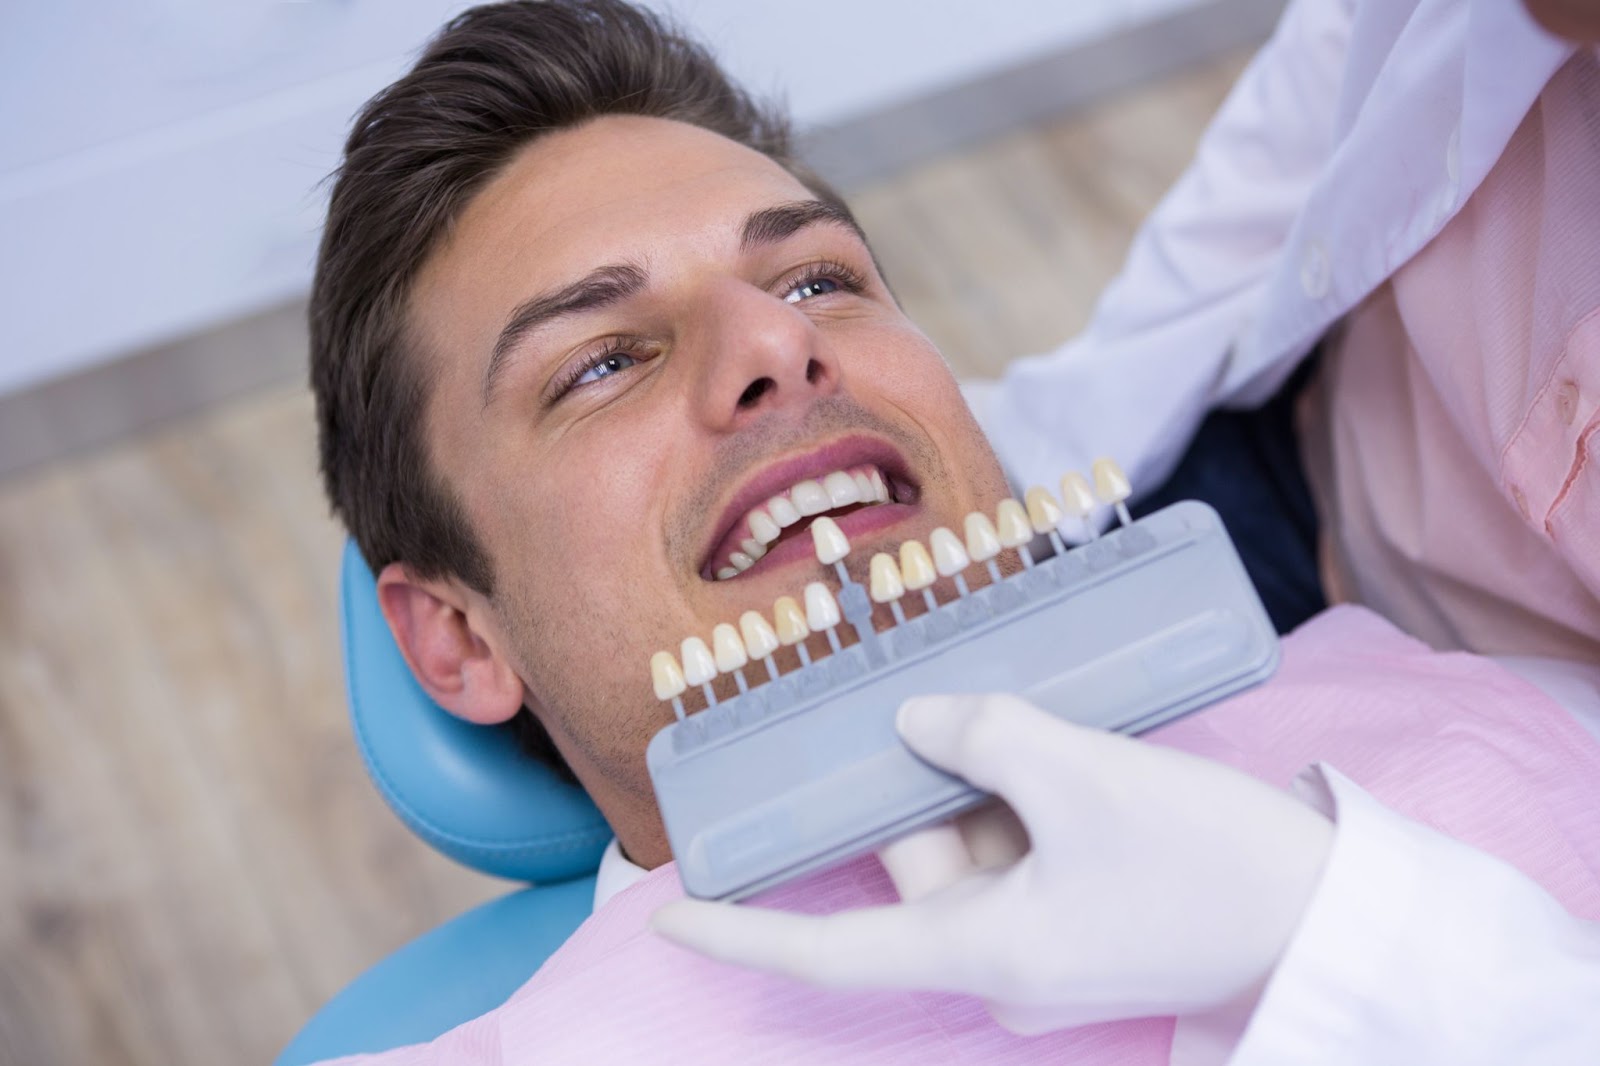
[[1111, 485], [729, 653], [949, 557], [763, 528], [822, 612], [916, 566], [1078, 499], [809, 498], [727, 649], [1076, 496], [983, 543], [830, 541], [740, 561], [759, 640], [916, 570], [1044, 514], [668, 680], [699, 668], [886, 586], [1014, 529], [791, 625], [753, 548], [841, 489], [783, 511], [1043, 511]]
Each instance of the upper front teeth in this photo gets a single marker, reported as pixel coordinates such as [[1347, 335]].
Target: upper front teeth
[[841, 488]]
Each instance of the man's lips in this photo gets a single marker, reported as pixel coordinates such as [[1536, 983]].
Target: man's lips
[[767, 520]]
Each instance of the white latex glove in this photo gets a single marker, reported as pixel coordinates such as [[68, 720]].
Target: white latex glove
[[1157, 882]]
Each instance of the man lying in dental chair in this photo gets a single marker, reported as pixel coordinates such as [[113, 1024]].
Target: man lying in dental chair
[[580, 316]]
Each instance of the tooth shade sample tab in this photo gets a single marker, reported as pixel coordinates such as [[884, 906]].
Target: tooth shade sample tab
[[759, 639], [728, 648], [1012, 524], [1044, 514], [1076, 495], [698, 665], [809, 498], [885, 582], [916, 566], [841, 489], [830, 541], [783, 512], [822, 611], [1110, 483], [983, 543], [666, 676], [790, 621], [949, 557]]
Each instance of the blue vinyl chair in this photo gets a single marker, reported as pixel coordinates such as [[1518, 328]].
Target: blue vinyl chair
[[473, 795]]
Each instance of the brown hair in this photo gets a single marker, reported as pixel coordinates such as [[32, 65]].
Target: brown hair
[[494, 79]]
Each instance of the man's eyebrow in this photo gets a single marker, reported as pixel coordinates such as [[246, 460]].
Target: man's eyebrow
[[772, 224], [596, 289]]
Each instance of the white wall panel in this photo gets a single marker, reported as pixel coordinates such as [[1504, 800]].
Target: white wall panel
[[159, 159]]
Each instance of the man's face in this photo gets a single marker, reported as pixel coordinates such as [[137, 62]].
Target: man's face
[[691, 334]]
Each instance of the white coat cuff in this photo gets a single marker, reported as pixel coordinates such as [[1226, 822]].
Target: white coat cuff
[[1416, 948]]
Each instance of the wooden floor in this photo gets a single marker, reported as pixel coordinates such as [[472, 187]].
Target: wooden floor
[[191, 856]]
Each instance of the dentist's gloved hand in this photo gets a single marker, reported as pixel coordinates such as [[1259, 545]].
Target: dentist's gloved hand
[[1156, 882]]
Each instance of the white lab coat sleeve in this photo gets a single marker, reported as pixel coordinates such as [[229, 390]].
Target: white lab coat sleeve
[[1419, 950], [1156, 355]]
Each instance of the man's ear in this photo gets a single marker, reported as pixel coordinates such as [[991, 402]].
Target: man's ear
[[443, 631]]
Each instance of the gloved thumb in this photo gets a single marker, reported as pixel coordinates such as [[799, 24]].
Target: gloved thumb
[[997, 742]]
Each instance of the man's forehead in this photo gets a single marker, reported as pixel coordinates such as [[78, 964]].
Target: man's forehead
[[599, 192]]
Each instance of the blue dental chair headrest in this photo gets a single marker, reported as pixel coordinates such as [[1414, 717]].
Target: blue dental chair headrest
[[466, 789], [470, 792]]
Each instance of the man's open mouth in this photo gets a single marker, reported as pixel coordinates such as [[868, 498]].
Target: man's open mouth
[[779, 518]]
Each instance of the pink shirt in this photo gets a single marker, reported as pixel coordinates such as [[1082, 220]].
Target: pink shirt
[[1454, 741], [1456, 458]]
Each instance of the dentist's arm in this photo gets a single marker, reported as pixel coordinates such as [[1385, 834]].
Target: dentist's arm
[[1158, 352]]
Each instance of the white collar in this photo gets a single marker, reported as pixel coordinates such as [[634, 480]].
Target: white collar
[[615, 874]]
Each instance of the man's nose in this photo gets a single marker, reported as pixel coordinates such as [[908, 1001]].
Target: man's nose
[[761, 356]]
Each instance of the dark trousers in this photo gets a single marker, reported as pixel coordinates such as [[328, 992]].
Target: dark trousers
[[1246, 464]]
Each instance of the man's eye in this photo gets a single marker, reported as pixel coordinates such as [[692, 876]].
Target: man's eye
[[605, 367], [811, 287]]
